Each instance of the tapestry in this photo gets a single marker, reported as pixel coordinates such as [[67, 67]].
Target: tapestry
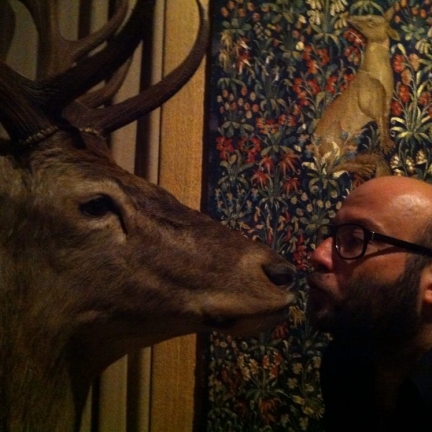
[[307, 100]]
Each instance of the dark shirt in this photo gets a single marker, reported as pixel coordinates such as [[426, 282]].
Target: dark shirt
[[347, 379]]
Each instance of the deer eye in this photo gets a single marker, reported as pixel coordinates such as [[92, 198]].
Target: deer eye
[[98, 207]]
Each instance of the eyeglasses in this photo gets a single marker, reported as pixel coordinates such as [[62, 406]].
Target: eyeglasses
[[351, 240]]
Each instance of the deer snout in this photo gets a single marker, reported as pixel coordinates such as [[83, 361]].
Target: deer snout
[[280, 273]]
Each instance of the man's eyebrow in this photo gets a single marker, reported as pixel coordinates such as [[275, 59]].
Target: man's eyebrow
[[365, 223]]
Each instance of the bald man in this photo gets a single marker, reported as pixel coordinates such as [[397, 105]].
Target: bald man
[[371, 289]]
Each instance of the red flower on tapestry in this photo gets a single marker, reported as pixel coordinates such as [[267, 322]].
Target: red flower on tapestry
[[359, 40], [290, 185], [225, 147], [281, 331], [324, 56], [312, 67], [266, 126], [301, 255], [261, 178], [349, 35], [267, 163], [256, 143], [267, 407], [314, 86], [355, 56], [274, 371], [251, 156], [398, 63], [291, 121], [288, 162], [425, 98], [242, 144], [231, 379], [396, 108], [299, 89], [287, 120], [404, 93], [307, 50], [252, 152], [331, 84], [348, 79], [354, 37]]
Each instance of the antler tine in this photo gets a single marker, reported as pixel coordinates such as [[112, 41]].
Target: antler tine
[[20, 117], [7, 28], [111, 118], [102, 95], [56, 92], [57, 54]]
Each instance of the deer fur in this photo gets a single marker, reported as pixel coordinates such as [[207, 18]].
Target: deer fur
[[94, 261], [366, 99]]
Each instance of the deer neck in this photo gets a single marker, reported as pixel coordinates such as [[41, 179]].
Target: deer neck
[[38, 393], [376, 60], [39, 389]]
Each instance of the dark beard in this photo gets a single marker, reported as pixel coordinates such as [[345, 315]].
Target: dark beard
[[376, 315]]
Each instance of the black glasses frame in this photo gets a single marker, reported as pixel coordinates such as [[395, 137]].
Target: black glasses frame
[[371, 235]]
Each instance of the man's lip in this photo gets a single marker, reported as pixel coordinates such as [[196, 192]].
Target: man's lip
[[314, 285], [312, 281]]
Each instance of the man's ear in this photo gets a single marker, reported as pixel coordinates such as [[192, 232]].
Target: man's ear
[[426, 285]]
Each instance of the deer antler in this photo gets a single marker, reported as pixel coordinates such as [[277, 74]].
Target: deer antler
[[41, 102], [56, 53], [104, 94], [109, 119], [20, 116]]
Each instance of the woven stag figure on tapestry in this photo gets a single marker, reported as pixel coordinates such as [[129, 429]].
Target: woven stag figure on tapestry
[[366, 99]]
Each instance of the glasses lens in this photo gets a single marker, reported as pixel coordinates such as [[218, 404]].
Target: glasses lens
[[350, 241]]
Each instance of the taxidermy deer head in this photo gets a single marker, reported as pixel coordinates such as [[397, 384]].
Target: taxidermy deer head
[[95, 261]]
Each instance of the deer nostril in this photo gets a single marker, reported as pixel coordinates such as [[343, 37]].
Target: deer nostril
[[280, 273]]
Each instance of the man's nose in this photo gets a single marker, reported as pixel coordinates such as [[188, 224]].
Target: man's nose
[[322, 256]]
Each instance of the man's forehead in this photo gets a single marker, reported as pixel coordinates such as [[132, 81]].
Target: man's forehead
[[393, 186], [366, 211], [388, 203]]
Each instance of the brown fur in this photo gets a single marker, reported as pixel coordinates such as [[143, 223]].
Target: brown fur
[[81, 285], [77, 292]]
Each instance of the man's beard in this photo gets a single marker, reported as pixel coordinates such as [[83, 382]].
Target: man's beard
[[374, 314]]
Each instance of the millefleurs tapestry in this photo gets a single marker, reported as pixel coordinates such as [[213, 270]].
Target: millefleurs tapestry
[[307, 100]]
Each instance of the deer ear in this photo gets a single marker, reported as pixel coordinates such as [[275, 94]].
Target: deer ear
[[393, 34], [388, 14]]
